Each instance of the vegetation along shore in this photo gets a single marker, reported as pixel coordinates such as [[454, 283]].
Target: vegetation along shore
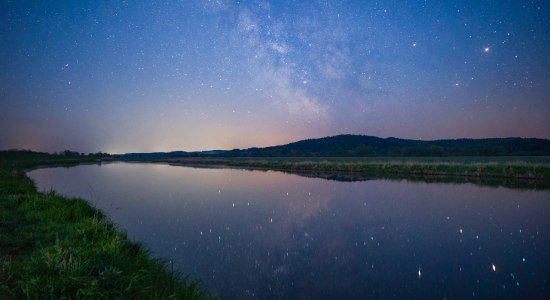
[[511, 162], [53, 247], [516, 172]]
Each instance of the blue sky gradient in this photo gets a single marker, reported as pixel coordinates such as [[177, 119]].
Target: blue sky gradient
[[121, 76]]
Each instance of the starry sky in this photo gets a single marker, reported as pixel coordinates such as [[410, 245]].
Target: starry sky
[[127, 76]]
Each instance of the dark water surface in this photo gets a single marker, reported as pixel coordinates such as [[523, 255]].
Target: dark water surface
[[255, 234]]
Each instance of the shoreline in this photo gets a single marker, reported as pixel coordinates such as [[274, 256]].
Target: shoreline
[[511, 173], [53, 246]]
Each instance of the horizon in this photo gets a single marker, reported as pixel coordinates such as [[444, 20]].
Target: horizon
[[192, 76], [389, 137], [207, 150]]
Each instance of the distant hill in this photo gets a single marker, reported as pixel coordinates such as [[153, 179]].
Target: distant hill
[[362, 145]]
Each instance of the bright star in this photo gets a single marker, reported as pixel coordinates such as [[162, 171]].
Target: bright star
[[486, 49]]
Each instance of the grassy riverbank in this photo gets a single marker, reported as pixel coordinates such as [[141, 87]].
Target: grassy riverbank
[[54, 247], [507, 171]]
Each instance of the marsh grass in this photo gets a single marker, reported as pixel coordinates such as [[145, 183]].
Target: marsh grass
[[53, 247], [517, 172]]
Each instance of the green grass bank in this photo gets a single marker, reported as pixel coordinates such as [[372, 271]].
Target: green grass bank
[[53, 247], [517, 172]]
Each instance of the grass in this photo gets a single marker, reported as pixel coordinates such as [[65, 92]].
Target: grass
[[53, 247], [517, 172]]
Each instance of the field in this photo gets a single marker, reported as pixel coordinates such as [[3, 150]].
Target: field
[[53, 247], [518, 172]]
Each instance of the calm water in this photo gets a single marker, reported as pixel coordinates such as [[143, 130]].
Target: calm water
[[255, 234]]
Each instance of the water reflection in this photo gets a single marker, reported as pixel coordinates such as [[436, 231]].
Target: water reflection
[[252, 234], [514, 183]]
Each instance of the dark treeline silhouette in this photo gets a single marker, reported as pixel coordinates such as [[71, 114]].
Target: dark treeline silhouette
[[364, 146], [29, 154]]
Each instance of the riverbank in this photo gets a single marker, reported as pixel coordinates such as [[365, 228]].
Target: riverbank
[[516, 172], [54, 247]]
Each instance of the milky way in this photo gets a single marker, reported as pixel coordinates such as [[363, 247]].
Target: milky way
[[193, 75]]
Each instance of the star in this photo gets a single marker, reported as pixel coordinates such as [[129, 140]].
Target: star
[[486, 49]]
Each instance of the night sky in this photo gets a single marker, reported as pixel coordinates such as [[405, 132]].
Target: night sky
[[121, 76]]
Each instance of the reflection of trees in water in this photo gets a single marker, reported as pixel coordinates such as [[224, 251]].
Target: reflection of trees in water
[[350, 176], [494, 182]]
